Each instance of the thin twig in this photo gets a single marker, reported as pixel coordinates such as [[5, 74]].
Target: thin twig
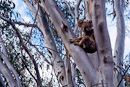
[[49, 49], [33, 23], [29, 25], [23, 60], [40, 53], [123, 76]]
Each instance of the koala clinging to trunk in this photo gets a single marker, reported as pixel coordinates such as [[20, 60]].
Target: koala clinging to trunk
[[87, 42]]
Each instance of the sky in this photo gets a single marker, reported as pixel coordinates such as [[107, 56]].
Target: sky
[[22, 9]]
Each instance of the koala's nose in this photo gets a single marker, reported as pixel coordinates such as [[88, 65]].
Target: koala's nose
[[86, 27]]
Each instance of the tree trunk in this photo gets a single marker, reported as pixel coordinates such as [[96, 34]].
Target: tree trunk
[[119, 45], [105, 68]]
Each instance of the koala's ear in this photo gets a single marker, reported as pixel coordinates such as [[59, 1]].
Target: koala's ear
[[80, 22]]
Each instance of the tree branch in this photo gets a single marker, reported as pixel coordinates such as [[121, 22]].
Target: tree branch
[[2, 83], [4, 56], [26, 24], [6, 73], [40, 53], [70, 9], [74, 74], [23, 60], [34, 21], [25, 48], [77, 9], [68, 70], [123, 76], [76, 16]]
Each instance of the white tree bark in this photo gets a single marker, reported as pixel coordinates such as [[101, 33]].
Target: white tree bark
[[105, 68], [119, 45], [6, 73]]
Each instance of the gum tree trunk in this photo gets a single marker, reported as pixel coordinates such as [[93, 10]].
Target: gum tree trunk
[[119, 45]]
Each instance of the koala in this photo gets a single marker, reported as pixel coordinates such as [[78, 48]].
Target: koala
[[87, 42]]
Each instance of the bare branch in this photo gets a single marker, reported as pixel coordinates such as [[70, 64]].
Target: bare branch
[[76, 16], [34, 22], [102, 41], [120, 39], [87, 9], [23, 60], [26, 24], [70, 9], [123, 76], [77, 9], [40, 53]]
